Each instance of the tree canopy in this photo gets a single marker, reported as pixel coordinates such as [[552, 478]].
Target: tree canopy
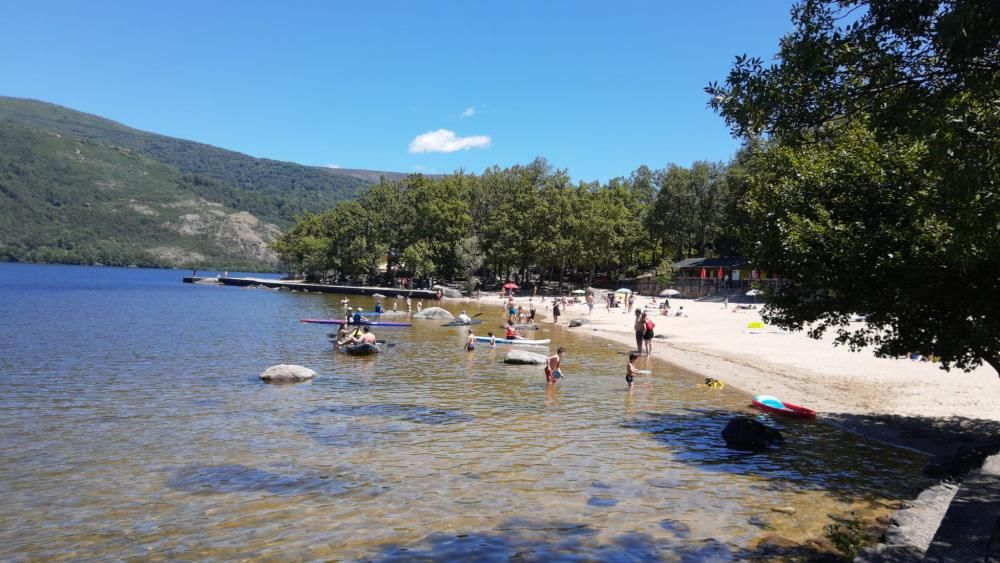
[[875, 186], [524, 222]]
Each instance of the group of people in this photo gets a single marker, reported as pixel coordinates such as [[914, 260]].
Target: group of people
[[360, 335], [643, 332], [518, 314]]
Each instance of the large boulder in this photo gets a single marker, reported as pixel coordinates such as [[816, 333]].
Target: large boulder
[[747, 434], [448, 291], [287, 372], [521, 357], [966, 458], [578, 322], [433, 313]]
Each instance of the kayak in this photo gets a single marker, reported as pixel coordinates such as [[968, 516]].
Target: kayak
[[522, 327], [522, 341], [460, 323], [770, 404], [361, 349], [362, 323]]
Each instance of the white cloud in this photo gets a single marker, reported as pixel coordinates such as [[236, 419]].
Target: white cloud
[[444, 140], [334, 166], [418, 167], [469, 112]]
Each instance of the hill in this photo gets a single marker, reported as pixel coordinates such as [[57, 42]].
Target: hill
[[74, 201], [272, 190]]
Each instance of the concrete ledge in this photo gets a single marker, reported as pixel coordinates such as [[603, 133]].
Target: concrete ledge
[[970, 531], [321, 288]]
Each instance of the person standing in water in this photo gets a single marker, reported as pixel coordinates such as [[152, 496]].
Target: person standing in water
[[640, 330], [630, 370], [553, 365], [470, 342], [555, 312]]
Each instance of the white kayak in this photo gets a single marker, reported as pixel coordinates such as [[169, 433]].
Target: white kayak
[[522, 341]]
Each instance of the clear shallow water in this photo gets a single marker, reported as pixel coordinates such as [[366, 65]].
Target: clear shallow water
[[135, 426]]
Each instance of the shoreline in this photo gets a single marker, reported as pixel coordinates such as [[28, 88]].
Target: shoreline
[[904, 403]]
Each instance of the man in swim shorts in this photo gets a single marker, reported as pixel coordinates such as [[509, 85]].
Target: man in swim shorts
[[552, 366]]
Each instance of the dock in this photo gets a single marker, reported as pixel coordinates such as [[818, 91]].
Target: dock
[[315, 287]]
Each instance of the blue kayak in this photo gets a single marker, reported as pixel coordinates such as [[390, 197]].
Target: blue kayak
[[522, 341]]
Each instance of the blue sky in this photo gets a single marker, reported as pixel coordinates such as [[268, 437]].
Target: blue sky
[[597, 88]]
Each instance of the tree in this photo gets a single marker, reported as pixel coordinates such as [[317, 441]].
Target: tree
[[877, 188]]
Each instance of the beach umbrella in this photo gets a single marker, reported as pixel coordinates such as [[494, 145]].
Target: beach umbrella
[[511, 285], [623, 290], [578, 292], [669, 293]]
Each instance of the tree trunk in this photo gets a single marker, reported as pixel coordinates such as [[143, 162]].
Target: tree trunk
[[992, 359]]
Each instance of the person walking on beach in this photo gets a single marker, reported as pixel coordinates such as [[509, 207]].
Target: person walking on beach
[[552, 366], [531, 314], [647, 336], [590, 303], [630, 370], [555, 312], [640, 330]]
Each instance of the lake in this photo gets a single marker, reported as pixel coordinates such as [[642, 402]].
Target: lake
[[136, 426]]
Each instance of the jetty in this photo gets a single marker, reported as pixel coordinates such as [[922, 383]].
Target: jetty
[[291, 285]]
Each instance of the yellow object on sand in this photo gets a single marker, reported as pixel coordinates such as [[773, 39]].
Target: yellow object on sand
[[755, 324], [714, 383]]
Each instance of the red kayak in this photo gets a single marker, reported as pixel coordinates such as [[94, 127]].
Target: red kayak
[[772, 405]]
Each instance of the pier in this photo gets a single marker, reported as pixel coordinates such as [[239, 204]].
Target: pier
[[315, 287]]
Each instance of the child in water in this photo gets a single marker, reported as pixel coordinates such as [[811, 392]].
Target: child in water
[[630, 370], [470, 343], [493, 339]]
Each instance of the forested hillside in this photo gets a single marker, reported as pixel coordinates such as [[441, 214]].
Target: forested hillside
[[73, 201], [274, 191]]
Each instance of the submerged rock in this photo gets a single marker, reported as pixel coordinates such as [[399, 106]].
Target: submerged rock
[[434, 313], [287, 372], [747, 434], [522, 357], [578, 322]]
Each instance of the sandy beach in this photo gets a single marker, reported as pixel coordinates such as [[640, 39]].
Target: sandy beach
[[909, 403]]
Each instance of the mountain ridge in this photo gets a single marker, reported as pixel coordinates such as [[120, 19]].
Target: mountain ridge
[[80, 188]]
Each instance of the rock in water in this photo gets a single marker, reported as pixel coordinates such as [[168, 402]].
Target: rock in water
[[433, 313], [448, 292], [747, 434], [522, 357], [578, 322], [287, 372]]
